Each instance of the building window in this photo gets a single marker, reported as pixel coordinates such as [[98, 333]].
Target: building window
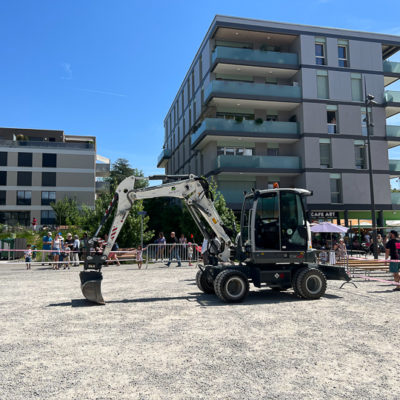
[[24, 159], [273, 149], [2, 197], [192, 83], [234, 151], [13, 218], [343, 53], [47, 217], [331, 117], [190, 117], [194, 111], [49, 160], [322, 85], [3, 158], [3, 178], [320, 58], [202, 98], [200, 68], [188, 89], [356, 87], [360, 154], [325, 153], [336, 188], [49, 179], [24, 198], [24, 179], [48, 197], [183, 101]]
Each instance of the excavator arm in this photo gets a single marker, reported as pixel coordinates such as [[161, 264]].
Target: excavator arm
[[194, 191]]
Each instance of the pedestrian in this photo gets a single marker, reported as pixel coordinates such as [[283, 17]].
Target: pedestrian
[[342, 250], [139, 256], [47, 241], [84, 246], [75, 251], [28, 256], [34, 224], [161, 242], [113, 254], [56, 247], [182, 246], [392, 250], [204, 251], [190, 253], [66, 256], [173, 251]]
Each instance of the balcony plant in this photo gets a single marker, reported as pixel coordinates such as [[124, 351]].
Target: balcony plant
[[239, 119], [258, 121]]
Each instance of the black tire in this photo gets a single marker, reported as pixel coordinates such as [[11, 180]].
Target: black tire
[[294, 281], [204, 281], [311, 283], [231, 286]]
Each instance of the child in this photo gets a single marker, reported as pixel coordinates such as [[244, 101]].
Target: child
[[28, 256], [190, 253], [139, 256]]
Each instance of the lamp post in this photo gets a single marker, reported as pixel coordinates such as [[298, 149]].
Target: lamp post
[[369, 101]]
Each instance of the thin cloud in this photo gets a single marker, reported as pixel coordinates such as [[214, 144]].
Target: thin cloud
[[102, 92], [67, 69]]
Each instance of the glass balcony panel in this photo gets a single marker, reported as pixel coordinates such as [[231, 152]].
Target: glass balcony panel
[[268, 57], [390, 66], [165, 153], [396, 198], [392, 96], [254, 162], [51, 145], [236, 89], [393, 131], [331, 128], [394, 165], [230, 125]]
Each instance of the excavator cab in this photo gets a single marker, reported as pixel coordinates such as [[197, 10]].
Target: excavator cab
[[273, 226]]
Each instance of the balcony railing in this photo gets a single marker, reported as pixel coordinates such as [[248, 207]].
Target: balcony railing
[[392, 96], [238, 89], [164, 155], [258, 162], [238, 128], [258, 56], [393, 131], [102, 186], [102, 169], [396, 198], [48, 145], [390, 66], [394, 165]]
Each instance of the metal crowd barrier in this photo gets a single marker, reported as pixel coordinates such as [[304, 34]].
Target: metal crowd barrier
[[157, 252]]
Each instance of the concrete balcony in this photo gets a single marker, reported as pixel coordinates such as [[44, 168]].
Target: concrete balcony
[[277, 164], [391, 72], [394, 168], [254, 57], [216, 128], [46, 145], [395, 198], [393, 131], [164, 156], [392, 99], [252, 91]]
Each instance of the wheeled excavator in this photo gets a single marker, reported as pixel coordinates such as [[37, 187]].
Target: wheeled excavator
[[273, 247]]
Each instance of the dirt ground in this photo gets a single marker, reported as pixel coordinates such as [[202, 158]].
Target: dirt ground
[[159, 337]]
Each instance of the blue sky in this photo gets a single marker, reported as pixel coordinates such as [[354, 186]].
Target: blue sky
[[112, 68]]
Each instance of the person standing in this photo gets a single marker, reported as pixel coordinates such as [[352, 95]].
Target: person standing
[[173, 250], [47, 241], [34, 224], [161, 241], [75, 251], [28, 256], [392, 250], [56, 246]]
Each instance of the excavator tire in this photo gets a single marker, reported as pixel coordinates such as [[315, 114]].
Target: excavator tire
[[91, 286], [204, 283], [311, 283], [294, 281], [231, 286]]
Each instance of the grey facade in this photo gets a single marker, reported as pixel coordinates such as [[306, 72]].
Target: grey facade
[[38, 167], [266, 101]]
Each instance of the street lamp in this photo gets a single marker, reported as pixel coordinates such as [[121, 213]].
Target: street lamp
[[369, 101]]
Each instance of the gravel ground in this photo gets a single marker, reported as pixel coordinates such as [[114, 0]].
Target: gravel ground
[[159, 337]]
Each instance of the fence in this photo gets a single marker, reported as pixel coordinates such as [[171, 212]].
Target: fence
[[163, 252]]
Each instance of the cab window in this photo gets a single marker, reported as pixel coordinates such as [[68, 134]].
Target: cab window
[[267, 223]]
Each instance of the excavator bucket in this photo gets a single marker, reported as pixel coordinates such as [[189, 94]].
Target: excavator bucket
[[91, 286]]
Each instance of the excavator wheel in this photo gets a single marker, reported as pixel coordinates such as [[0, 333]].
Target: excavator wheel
[[204, 281], [311, 283], [91, 286], [231, 286], [294, 281]]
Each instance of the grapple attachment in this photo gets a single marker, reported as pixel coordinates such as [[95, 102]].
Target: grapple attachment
[[91, 286]]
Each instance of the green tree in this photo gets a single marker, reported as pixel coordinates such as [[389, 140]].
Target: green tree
[[67, 211], [120, 170]]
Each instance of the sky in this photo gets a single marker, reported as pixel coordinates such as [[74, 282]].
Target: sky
[[111, 69]]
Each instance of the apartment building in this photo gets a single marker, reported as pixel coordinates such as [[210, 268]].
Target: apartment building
[[266, 102], [38, 167]]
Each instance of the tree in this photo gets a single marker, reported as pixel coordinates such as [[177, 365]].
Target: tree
[[120, 170], [67, 211]]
